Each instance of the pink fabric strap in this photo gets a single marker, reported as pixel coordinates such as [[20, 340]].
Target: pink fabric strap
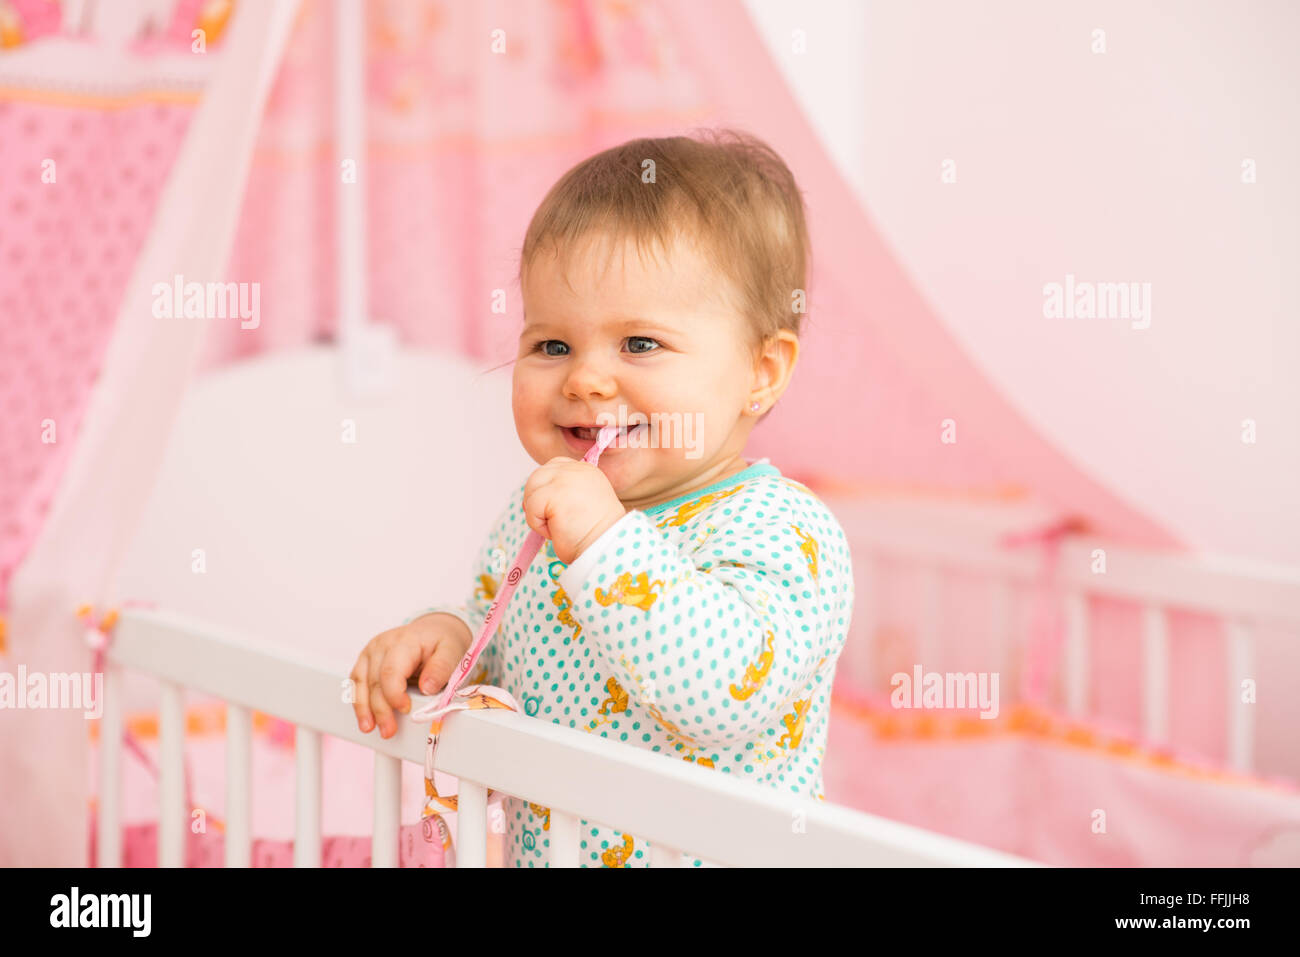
[[532, 544], [475, 697], [1046, 632]]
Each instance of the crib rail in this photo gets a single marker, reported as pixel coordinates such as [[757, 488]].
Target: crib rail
[[1245, 595], [680, 808]]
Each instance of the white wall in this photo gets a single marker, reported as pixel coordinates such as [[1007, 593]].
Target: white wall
[[311, 541], [1117, 166]]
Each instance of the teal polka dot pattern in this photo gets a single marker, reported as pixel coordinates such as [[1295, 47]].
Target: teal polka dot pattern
[[706, 629]]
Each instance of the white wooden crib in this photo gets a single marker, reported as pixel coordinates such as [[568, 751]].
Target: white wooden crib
[[941, 543], [720, 819]]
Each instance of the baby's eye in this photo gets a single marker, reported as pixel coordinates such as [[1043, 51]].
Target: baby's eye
[[542, 347], [635, 339]]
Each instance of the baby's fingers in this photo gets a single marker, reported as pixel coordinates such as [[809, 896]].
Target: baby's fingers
[[361, 694], [399, 664], [383, 711], [438, 669]]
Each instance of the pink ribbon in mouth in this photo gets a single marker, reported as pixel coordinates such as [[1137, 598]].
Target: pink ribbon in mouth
[[620, 431], [474, 697]]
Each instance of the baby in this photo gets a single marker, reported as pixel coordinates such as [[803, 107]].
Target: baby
[[687, 601]]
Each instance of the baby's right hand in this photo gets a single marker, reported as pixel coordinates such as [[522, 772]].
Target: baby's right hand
[[432, 645]]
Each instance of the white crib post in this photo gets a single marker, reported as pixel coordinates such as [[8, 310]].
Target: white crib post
[[1000, 622], [864, 616], [238, 760], [931, 602], [1241, 714], [108, 847], [471, 825], [1076, 653], [173, 816], [388, 811], [564, 840], [306, 842], [1155, 674]]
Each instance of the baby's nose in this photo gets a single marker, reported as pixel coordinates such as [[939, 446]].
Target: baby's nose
[[590, 378]]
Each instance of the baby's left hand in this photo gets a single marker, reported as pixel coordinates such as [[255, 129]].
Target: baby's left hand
[[571, 503]]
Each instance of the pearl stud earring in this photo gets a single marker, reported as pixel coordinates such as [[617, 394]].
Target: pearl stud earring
[[753, 407]]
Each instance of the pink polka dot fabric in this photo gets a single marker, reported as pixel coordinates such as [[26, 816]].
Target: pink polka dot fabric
[[78, 187]]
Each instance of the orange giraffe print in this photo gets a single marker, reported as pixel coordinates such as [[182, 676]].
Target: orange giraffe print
[[487, 588], [542, 812], [810, 551], [636, 592], [618, 856], [755, 674], [688, 510], [561, 601], [794, 725], [559, 598], [617, 702], [691, 756]]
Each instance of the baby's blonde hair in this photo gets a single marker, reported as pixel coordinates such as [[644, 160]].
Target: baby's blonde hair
[[727, 189]]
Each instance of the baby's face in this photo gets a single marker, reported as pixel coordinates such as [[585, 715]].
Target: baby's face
[[648, 341]]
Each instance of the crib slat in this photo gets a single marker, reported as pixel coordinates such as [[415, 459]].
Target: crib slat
[[306, 841], [564, 840], [661, 855], [173, 816], [1241, 715], [1076, 653], [865, 621], [388, 811], [471, 825], [1000, 624], [108, 846], [239, 727], [931, 601], [1155, 674]]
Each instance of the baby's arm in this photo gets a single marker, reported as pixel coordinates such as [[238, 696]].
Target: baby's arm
[[722, 636]]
